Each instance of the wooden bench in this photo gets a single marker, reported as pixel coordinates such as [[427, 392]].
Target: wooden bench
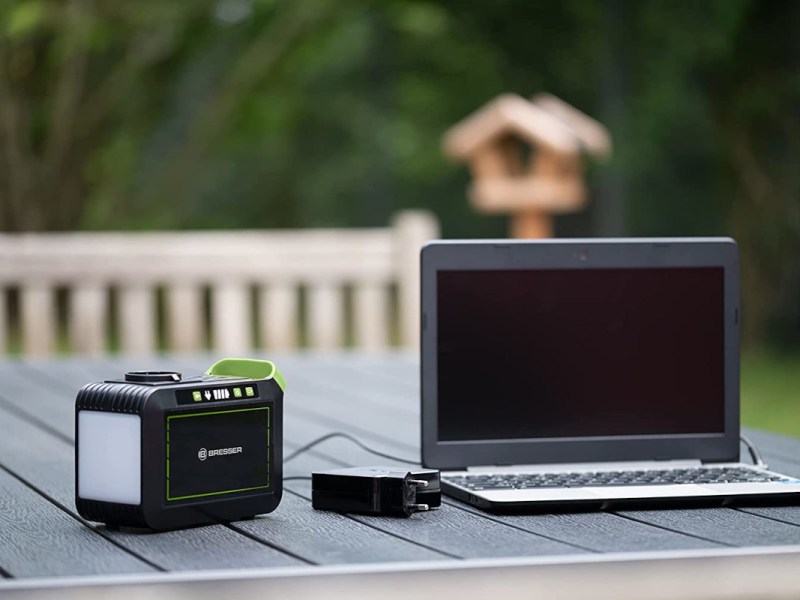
[[230, 291]]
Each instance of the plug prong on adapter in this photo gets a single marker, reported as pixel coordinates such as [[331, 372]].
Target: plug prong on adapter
[[418, 482], [419, 507]]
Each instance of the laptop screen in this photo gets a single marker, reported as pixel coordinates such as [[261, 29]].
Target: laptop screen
[[567, 353]]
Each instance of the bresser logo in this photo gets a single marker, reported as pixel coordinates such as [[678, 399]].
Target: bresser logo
[[203, 454]]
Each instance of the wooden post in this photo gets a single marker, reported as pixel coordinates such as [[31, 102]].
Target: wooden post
[[3, 320], [531, 224], [411, 230]]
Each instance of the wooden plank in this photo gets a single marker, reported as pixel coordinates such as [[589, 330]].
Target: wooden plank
[[367, 386], [231, 325], [316, 382], [293, 526], [137, 318], [325, 316], [278, 316], [37, 321], [352, 405], [296, 528], [88, 318], [398, 369], [3, 321], [459, 534], [591, 531], [785, 514], [721, 525], [450, 531], [371, 315], [41, 540], [598, 531], [44, 391], [193, 256], [296, 541], [412, 229], [208, 548], [47, 464], [731, 575], [330, 538], [185, 319], [785, 446]]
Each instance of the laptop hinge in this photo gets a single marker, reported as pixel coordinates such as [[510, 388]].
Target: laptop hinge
[[594, 466]]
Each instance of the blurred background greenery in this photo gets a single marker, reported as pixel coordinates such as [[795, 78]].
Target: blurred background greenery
[[265, 113]]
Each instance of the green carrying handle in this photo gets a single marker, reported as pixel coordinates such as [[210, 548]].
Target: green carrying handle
[[249, 368]]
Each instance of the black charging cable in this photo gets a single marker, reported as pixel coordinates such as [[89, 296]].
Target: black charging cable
[[752, 449], [758, 460], [346, 436], [342, 435]]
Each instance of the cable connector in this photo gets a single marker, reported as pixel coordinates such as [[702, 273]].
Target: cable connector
[[376, 490]]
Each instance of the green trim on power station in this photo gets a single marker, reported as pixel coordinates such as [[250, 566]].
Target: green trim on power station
[[249, 368], [218, 412]]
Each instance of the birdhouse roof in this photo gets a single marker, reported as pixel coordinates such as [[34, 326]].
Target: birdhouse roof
[[549, 123], [592, 135]]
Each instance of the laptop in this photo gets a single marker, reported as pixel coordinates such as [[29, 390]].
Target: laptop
[[586, 373]]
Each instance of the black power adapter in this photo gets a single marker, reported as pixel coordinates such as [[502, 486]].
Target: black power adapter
[[376, 490]]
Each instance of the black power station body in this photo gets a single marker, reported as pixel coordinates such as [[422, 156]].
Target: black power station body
[[158, 451]]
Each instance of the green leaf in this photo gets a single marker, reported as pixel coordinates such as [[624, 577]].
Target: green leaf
[[24, 18]]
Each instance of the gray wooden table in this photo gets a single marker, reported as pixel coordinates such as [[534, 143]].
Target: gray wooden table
[[43, 542]]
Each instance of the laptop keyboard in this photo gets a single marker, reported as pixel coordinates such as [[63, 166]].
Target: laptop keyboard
[[522, 481]]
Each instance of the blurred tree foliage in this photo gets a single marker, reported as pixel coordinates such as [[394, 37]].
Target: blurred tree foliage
[[278, 113]]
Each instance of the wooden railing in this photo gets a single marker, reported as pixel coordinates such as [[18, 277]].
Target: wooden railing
[[228, 291]]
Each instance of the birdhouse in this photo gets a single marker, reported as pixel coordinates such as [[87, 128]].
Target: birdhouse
[[525, 158]]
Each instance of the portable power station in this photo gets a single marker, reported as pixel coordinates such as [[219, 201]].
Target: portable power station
[[160, 451]]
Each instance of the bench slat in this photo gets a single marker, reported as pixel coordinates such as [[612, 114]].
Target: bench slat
[[278, 316], [88, 318], [184, 305], [137, 318], [371, 316], [230, 318], [38, 319], [325, 316], [3, 320]]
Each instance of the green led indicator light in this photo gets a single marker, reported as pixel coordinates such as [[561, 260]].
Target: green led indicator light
[[197, 396], [249, 391], [237, 392]]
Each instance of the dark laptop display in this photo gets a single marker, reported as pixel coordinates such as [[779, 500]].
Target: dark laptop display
[[584, 353], [586, 373]]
